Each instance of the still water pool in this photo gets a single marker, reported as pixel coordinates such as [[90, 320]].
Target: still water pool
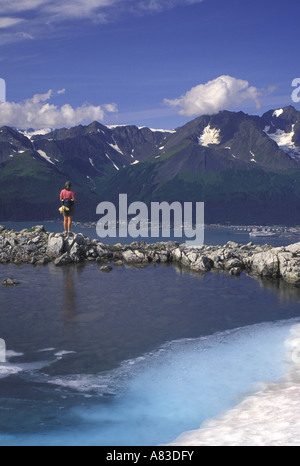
[[134, 357]]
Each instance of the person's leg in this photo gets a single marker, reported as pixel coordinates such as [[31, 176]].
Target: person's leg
[[66, 224], [69, 224]]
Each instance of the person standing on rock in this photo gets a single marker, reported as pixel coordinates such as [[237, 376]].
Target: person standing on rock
[[68, 199]]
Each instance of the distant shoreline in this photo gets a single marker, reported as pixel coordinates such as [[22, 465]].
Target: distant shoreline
[[279, 231], [242, 227]]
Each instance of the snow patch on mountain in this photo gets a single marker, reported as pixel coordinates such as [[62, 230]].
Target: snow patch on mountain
[[278, 112], [30, 133], [209, 136], [154, 130], [285, 141], [115, 147], [45, 156], [116, 167]]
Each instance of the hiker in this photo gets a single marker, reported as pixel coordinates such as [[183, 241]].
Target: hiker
[[68, 199]]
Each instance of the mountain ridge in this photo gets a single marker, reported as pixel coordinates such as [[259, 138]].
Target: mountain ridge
[[212, 158]]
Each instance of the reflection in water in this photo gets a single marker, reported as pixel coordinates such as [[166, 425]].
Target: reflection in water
[[69, 276], [108, 318], [285, 291], [69, 302]]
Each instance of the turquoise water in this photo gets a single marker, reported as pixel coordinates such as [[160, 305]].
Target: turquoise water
[[134, 357]]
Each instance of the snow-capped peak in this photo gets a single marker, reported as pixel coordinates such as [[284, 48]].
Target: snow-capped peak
[[30, 133], [278, 112], [285, 141]]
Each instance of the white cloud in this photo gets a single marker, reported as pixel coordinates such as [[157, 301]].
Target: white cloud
[[16, 6], [38, 13], [110, 108], [6, 21], [70, 9], [219, 94], [159, 5], [37, 112]]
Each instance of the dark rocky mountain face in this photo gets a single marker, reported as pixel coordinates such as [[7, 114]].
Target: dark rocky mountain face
[[223, 159], [234, 137], [281, 119], [12, 144], [138, 143], [97, 150], [38, 165], [283, 127]]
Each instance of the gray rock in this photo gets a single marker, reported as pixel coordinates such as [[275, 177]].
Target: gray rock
[[289, 267], [75, 251], [31, 248], [106, 268], [154, 257], [38, 229], [80, 239], [294, 249], [55, 246], [185, 260], [10, 282], [163, 257], [233, 263], [265, 264], [101, 251], [43, 261], [36, 240], [65, 259], [202, 264], [232, 244], [118, 263], [177, 254], [236, 271], [135, 256]]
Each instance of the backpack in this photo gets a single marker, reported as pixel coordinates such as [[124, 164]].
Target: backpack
[[68, 203]]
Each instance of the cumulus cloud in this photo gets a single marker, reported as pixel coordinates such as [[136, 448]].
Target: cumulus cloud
[[219, 94], [37, 112]]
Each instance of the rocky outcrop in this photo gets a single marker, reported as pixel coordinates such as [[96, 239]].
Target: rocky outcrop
[[38, 247], [10, 282], [26, 246]]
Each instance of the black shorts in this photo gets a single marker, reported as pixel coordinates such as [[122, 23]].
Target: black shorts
[[70, 212]]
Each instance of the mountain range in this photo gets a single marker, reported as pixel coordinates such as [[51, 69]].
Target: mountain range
[[245, 168]]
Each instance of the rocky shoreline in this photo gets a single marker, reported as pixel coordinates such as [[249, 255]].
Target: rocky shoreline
[[39, 247]]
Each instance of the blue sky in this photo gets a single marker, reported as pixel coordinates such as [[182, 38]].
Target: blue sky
[[145, 62]]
